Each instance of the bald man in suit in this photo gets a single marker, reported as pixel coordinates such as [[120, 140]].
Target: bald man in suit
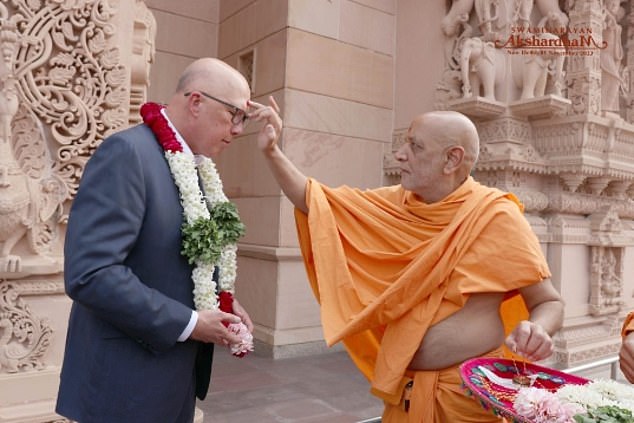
[[137, 350]]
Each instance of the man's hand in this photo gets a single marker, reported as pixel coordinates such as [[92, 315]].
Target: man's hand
[[269, 115], [242, 314], [209, 327], [530, 340], [626, 357]]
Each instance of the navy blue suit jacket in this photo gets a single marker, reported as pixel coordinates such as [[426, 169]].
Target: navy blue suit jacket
[[131, 290]]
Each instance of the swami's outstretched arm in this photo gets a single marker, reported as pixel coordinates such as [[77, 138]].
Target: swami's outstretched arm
[[290, 179]]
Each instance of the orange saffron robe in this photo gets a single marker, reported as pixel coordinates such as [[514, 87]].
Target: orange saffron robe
[[385, 266]]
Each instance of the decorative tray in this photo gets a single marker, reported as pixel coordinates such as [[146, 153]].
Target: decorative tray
[[491, 381]]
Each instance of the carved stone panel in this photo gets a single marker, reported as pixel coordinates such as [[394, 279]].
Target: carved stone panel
[[71, 73], [606, 280], [65, 84], [24, 337]]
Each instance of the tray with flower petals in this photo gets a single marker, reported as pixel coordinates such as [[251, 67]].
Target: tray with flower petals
[[495, 382]]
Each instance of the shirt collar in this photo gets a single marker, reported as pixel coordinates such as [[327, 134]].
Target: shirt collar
[[179, 137]]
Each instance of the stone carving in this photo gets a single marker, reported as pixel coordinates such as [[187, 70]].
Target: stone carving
[[63, 89], [68, 47], [33, 287], [567, 358], [484, 57], [71, 73], [585, 204], [567, 229], [611, 57], [391, 167], [488, 13], [14, 194], [144, 33], [505, 129], [606, 274], [478, 64], [628, 75], [532, 72], [23, 337], [457, 15], [606, 282], [573, 343], [583, 71]]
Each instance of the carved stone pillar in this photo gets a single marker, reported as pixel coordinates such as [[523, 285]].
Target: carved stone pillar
[[606, 269], [629, 61], [71, 73], [583, 71]]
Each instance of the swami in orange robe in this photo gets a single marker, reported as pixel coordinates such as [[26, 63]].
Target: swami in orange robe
[[385, 266]]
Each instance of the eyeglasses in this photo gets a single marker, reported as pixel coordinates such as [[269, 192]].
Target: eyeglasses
[[238, 116]]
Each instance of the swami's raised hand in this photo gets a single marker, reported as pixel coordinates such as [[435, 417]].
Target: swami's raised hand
[[291, 180], [269, 115]]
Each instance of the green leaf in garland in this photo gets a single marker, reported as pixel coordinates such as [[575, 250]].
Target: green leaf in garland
[[230, 227], [605, 414], [201, 241]]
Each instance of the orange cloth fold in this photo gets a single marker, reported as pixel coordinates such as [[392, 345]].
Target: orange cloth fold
[[438, 397], [386, 266]]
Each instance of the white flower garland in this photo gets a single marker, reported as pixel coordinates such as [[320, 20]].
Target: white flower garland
[[186, 169], [196, 206], [600, 392], [569, 401]]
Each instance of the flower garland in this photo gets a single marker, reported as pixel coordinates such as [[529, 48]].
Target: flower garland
[[597, 401], [211, 224]]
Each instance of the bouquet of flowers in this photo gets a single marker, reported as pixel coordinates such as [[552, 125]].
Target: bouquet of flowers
[[600, 401]]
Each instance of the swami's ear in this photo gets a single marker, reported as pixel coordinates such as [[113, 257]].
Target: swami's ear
[[454, 158]]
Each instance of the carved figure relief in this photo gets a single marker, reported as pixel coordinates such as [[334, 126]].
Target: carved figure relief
[[478, 64], [488, 14], [63, 89], [14, 194], [611, 57], [23, 337], [532, 73], [606, 275], [606, 284], [484, 57]]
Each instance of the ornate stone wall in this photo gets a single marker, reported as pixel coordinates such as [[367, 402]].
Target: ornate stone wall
[[550, 92], [71, 73]]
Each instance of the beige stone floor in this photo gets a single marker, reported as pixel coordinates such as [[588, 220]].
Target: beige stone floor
[[312, 389]]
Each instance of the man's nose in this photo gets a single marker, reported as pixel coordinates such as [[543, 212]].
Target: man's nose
[[237, 129]]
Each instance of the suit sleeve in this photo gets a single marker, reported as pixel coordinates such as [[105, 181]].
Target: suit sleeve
[[104, 224]]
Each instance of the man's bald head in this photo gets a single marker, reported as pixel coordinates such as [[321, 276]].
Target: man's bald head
[[211, 75], [208, 97]]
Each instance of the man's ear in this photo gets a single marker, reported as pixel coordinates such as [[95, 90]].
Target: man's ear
[[193, 103], [454, 158]]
